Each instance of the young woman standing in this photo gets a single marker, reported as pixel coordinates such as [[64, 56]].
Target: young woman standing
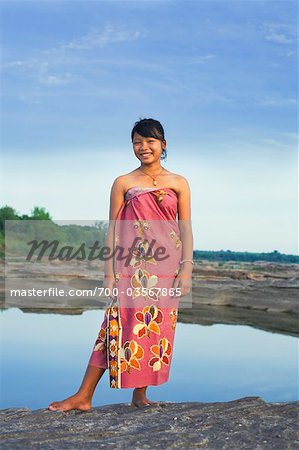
[[150, 215]]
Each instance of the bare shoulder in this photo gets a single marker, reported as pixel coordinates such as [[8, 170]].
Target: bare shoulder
[[181, 183], [121, 182]]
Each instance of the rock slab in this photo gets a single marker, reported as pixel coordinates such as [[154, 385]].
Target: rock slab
[[245, 423]]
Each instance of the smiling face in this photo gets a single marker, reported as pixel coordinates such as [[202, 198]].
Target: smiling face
[[147, 149]]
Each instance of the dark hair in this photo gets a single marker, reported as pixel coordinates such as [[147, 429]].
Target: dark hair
[[150, 128]]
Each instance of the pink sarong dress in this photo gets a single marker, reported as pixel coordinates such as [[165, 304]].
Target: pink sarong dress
[[136, 338]]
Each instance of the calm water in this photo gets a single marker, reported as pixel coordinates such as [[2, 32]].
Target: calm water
[[44, 357]]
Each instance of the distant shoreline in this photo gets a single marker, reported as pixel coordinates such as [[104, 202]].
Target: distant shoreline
[[263, 295]]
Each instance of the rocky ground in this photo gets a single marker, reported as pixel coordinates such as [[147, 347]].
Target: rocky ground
[[246, 423]]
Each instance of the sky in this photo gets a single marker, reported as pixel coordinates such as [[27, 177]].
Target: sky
[[219, 75]]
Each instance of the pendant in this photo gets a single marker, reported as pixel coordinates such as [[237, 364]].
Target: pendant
[[155, 183]]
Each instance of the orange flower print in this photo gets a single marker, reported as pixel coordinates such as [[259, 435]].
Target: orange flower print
[[130, 354], [113, 311], [142, 253], [113, 368], [114, 328], [162, 353], [100, 344], [150, 318], [173, 316], [143, 283], [160, 194], [113, 348]]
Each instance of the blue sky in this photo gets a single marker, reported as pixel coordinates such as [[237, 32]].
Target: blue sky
[[219, 75]]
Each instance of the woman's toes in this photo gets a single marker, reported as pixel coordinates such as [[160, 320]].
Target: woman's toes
[[153, 403], [140, 404], [53, 406]]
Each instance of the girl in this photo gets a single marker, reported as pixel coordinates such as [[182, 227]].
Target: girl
[[135, 342]]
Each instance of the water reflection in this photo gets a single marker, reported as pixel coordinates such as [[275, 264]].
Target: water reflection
[[44, 357]]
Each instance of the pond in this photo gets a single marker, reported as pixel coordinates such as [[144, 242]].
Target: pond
[[44, 357]]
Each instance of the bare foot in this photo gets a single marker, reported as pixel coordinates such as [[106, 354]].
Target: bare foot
[[76, 401], [139, 398], [143, 403]]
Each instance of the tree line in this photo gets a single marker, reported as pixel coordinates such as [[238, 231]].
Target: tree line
[[90, 233]]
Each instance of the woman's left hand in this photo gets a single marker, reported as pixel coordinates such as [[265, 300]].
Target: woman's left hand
[[183, 281]]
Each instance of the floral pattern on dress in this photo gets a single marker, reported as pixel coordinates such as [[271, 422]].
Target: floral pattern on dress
[[159, 194], [141, 226], [142, 253], [130, 354], [161, 353], [100, 344], [113, 342], [150, 318], [139, 339], [113, 373], [101, 341], [143, 284], [175, 238]]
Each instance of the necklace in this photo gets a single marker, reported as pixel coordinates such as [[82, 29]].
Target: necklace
[[153, 178]]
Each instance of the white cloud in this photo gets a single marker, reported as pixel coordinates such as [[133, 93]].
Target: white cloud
[[276, 101], [202, 59], [276, 143], [279, 33], [279, 38], [52, 59], [13, 64], [96, 38], [28, 99], [30, 63], [54, 80]]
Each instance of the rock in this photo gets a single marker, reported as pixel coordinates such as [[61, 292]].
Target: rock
[[264, 295], [245, 423]]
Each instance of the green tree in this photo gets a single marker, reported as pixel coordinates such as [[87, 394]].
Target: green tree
[[40, 214], [7, 213]]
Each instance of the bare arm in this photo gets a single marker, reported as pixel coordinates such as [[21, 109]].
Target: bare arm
[[116, 200], [183, 279], [184, 215]]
